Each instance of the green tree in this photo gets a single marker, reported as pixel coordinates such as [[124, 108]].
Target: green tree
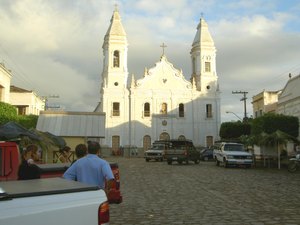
[[7, 113], [276, 139], [234, 130], [270, 123]]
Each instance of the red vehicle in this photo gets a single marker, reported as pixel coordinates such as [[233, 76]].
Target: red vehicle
[[10, 160]]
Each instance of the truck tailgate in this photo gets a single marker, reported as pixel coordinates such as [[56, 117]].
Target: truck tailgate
[[58, 202]]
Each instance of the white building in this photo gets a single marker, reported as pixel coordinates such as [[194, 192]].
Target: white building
[[5, 78], [162, 104], [27, 102], [289, 99]]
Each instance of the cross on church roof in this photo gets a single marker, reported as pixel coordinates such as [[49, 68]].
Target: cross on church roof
[[163, 47], [116, 7]]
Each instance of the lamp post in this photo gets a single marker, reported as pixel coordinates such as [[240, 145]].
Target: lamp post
[[235, 115]]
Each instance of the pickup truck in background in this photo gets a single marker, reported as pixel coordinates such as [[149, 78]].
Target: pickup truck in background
[[182, 151], [52, 201], [232, 154], [10, 161], [157, 151]]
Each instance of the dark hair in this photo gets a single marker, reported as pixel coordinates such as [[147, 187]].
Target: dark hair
[[65, 149], [80, 150], [93, 147]]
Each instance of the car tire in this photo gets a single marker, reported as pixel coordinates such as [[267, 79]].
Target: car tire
[[197, 161], [147, 160], [205, 158], [292, 166], [169, 162]]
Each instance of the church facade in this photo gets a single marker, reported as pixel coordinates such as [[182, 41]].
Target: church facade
[[162, 104]]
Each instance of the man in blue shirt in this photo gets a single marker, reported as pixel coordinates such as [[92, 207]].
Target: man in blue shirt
[[91, 169]]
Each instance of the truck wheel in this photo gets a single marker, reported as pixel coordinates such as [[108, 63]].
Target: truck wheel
[[197, 161], [292, 166], [147, 160], [169, 162]]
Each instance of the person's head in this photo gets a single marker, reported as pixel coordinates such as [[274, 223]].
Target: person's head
[[31, 152], [80, 151], [93, 147]]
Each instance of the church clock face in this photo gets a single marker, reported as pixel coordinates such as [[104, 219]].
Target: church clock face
[[164, 123]]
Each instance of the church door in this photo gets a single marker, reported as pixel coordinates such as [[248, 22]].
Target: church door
[[146, 142], [164, 136], [115, 145]]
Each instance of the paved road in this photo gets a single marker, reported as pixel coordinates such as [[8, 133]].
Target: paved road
[[155, 193]]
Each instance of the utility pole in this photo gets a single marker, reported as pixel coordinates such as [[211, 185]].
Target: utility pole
[[244, 93]]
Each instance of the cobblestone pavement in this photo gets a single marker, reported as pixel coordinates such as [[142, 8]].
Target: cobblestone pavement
[[157, 193]]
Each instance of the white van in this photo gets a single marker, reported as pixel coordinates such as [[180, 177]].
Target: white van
[[229, 153]]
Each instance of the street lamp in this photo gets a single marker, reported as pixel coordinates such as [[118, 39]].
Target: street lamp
[[235, 115]]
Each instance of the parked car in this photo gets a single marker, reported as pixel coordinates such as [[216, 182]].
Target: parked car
[[206, 154], [232, 154]]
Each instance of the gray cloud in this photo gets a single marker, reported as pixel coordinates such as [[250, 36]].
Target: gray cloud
[[55, 47]]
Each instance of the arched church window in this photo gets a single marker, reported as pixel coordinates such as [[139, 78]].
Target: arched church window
[[194, 66], [116, 109], [164, 108], [116, 59], [181, 110], [207, 66], [208, 111], [146, 109]]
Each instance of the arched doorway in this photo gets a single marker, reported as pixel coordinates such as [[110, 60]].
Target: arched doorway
[[181, 138], [164, 136], [146, 142]]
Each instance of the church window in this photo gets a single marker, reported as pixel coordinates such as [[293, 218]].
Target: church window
[[181, 110], [116, 109], [208, 111], [207, 66], [194, 66], [116, 59], [146, 109], [164, 108]]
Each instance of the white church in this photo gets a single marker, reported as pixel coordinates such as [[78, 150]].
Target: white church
[[162, 104]]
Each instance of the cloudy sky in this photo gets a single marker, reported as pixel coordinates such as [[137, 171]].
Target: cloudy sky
[[54, 47]]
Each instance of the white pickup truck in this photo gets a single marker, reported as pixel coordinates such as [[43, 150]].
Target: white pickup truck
[[52, 201], [232, 154]]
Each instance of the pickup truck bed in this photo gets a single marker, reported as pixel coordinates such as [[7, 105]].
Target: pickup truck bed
[[49, 201]]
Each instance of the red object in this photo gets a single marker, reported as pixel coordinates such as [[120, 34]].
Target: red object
[[9, 161]]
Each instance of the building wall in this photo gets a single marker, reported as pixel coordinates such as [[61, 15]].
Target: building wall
[[5, 78]]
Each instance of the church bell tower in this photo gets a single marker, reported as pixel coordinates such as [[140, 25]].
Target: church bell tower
[[203, 56]]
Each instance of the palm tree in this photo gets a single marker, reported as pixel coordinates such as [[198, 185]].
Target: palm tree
[[276, 138]]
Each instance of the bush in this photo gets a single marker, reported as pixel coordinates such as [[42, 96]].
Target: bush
[[29, 121], [233, 130], [7, 113]]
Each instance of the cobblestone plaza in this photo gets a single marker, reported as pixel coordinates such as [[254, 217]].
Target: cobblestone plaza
[[158, 193]]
